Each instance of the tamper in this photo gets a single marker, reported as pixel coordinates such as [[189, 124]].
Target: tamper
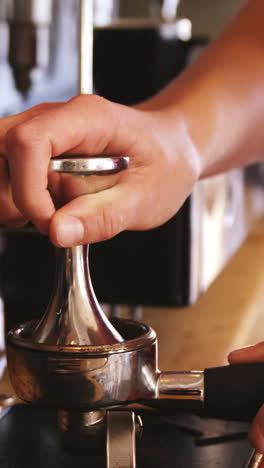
[[74, 337], [256, 460], [77, 361]]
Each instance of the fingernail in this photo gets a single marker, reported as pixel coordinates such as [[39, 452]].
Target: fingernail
[[69, 231], [242, 350]]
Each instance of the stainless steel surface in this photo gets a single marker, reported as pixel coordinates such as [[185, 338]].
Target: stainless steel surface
[[136, 14], [74, 316], [142, 14], [136, 312], [181, 385], [67, 177], [6, 404], [27, 11], [86, 47], [115, 311], [7, 397], [96, 165], [29, 44], [256, 460], [84, 378], [83, 432], [121, 439]]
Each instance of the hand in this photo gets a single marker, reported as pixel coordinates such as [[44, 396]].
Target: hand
[[252, 354], [9, 214], [146, 195]]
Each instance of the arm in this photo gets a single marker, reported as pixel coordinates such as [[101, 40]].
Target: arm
[[221, 96], [209, 119]]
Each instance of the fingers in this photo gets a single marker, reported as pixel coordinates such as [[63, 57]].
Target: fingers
[[148, 194], [9, 214], [9, 122], [86, 124], [256, 432], [134, 203], [254, 353], [28, 164]]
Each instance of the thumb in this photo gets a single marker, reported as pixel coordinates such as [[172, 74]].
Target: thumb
[[94, 217]]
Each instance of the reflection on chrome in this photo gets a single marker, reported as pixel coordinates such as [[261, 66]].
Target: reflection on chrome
[[178, 384]]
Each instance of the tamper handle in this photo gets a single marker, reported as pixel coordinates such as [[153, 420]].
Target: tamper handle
[[74, 316], [235, 391]]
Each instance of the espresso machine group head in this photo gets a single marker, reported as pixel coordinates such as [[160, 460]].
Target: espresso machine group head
[[29, 38]]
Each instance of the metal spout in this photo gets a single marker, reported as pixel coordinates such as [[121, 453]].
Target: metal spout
[[29, 39], [74, 316]]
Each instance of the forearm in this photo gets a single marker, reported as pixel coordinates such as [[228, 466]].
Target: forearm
[[220, 97]]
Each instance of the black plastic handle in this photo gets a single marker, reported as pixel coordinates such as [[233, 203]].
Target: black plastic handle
[[235, 391]]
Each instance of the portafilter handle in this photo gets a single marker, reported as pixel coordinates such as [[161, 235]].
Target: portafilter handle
[[228, 392]]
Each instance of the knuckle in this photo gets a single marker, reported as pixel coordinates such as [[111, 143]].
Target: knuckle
[[19, 136], [43, 106], [80, 99], [100, 101], [93, 100]]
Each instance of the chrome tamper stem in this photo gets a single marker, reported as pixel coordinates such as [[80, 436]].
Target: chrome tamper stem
[[255, 460], [74, 316]]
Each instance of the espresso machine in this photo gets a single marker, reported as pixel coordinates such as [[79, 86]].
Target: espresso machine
[[90, 380]]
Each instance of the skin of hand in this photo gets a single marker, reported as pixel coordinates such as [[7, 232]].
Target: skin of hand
[[253, 353], [147, 194]]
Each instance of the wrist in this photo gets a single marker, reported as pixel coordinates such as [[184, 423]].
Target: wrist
[[219, 99], [170, 127]]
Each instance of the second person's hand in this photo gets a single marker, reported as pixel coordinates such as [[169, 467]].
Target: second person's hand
[[252, 354]]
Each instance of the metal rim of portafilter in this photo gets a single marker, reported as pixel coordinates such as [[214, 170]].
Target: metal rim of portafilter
[[83, 382], [84, 378]]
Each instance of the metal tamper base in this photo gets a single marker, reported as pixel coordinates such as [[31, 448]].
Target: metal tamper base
[[83, 382]]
